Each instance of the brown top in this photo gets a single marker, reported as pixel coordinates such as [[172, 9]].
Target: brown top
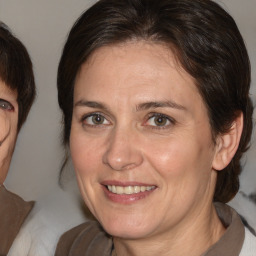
[[13, 212], [90, 239]]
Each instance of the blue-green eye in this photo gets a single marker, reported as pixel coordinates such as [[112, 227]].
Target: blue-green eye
[[95, 119], [6, 105]]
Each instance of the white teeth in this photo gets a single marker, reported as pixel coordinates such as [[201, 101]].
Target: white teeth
[[128, 190], [142, 189], [113, 189], [136, 189], [119, 190]]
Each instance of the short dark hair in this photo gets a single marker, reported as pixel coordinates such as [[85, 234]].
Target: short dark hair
[[204, 38], [16, 71]]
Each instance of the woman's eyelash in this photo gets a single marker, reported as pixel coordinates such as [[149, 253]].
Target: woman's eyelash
[[159, 121], [6, 105], [94, 119], [153, 120]]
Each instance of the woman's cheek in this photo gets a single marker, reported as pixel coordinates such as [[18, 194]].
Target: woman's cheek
[[5, 125], [83, 153], [165, 154]]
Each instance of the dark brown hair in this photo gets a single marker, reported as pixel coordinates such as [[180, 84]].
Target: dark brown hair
[[16, 71], [207, 43]]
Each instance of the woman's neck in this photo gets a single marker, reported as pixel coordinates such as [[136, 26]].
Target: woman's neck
[[185, 239]]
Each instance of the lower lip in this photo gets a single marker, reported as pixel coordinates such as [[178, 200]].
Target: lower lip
[[126, 199]]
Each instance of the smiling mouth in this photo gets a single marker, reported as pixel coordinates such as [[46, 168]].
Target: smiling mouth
[[128, 190]]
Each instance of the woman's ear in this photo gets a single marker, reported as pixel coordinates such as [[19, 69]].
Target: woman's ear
[[227, 144]]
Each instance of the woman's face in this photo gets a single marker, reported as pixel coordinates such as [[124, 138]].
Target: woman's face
[[8, 127], [141, 141]]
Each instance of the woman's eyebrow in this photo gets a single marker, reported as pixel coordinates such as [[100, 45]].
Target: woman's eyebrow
[[159, 104], [90, 104], [139, 107]]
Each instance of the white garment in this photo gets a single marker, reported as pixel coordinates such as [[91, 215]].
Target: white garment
[[245, 207], [49, 219], [249, 246]]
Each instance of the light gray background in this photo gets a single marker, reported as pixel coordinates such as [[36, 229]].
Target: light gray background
[[42, 26]]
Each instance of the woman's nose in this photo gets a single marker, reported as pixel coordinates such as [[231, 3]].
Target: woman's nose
[[122, 151]]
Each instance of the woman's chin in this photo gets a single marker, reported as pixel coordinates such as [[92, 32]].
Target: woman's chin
[[131, 229], [126, 233]]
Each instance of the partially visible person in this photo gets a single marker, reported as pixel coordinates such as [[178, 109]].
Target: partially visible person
[[17, 93], [157, 115]]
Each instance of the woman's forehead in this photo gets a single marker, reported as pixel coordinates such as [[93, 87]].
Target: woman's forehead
[[5, 90], [142, 59], [136, 74]]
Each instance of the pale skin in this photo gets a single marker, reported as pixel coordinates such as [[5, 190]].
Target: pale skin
[[138, 119], [8, 127]]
